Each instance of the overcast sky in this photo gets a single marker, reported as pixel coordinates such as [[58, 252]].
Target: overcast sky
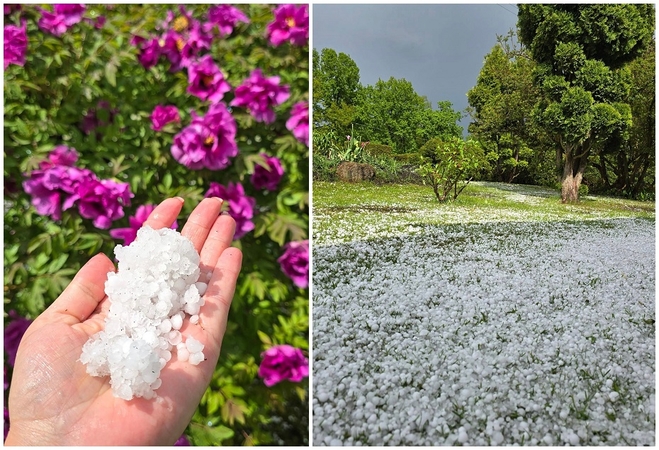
[[439, 48]]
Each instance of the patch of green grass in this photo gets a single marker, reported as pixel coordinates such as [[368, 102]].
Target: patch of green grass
[[355, 211]]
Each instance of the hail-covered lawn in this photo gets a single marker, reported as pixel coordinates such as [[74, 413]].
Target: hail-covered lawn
[[528, 323]]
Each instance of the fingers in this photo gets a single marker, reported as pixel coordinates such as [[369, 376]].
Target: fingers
[[219, 238], [201, 220], [85, 292], [218, 298], [164, 215]]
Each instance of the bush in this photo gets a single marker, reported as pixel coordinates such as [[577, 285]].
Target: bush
[[124, 95], [379, 150], [324, 169], [408, 158], [446, 166]]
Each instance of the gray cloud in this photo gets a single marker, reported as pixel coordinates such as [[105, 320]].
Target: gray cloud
[[439, 48]]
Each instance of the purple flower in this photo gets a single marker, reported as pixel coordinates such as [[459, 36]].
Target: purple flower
[[171, 45], [14, 332], [62, 17], [101, 201], [259, 95], [15, 44], [6, 422], [206, 80], [241, 206], [298, 123], [50, 187], [294, 262], [149, 51], [267, 178], [182, 441], [208, 141], [71, 13], [195, 41], [162, 115], [225, 18], [283, 362], [291, 23], [91, 121], [60, 156], [129, 234], [11, 8]]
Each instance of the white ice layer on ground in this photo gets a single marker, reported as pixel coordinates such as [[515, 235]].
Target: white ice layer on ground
[[150, 294], [482, 334]]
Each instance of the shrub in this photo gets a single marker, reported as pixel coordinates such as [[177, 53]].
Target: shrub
[[158, 107], [408, 158], [446, 166], [378, 150]]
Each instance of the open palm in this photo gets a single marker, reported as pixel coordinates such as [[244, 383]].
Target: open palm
[[53, 401]]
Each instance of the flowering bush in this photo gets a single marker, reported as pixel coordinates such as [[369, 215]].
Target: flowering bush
[[111, 109]]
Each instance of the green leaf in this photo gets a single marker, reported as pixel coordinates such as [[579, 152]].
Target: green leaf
[[234, 411], [111, 74], [264, 338], [203, 435]]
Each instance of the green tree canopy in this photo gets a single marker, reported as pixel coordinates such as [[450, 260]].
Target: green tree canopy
[[392, 113], [501, 105], [581, 51], [335, 89]]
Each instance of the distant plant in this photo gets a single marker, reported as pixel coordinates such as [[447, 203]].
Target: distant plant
[[448, 166]]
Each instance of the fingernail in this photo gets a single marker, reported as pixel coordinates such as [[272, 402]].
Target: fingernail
[[180, 199], [219, 199], [224, 213]]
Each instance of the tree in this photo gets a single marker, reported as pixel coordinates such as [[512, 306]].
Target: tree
[[439, 123], [392, 113], [626, 167], [501, 105], [581, 51], [446, 165], [335, 89]]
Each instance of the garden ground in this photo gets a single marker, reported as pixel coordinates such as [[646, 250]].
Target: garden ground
[[504, 317]]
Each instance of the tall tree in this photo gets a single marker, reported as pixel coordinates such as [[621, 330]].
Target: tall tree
[[581, 51], [501, 104], [627, 167], [335, 89], [391, 112]]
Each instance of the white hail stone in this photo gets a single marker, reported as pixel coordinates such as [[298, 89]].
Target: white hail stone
[[156, 282]]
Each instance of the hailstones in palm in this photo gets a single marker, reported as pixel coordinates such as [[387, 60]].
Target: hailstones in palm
[[156, 286]]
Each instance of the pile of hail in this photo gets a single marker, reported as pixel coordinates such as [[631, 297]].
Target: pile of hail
[[155, 286]]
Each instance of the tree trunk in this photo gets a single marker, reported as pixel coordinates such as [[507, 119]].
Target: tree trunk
[[573, 169]]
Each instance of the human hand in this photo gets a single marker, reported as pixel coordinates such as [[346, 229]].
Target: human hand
[[52, 399]]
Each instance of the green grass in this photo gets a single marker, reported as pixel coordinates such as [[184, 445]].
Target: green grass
[[356, 211]]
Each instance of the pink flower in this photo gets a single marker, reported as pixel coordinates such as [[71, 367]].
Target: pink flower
[[150, 51], [15, 44], [291, 23], [162, 115], [208, 141], [52, 189], [283, 362], [102, 201], [171, 46], [225, 18], [259, 95], [294, 262], [267, 178], [135, 223], [62, 17], [299, 122], [241, 206], [206, 81], [60, 156], [14, 332], [71, 13]]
